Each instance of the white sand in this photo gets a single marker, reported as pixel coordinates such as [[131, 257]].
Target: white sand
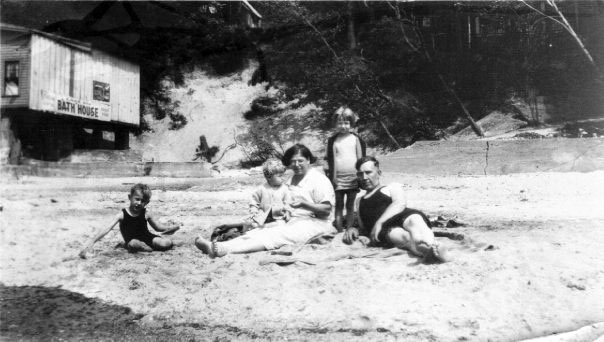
[[543, 276]]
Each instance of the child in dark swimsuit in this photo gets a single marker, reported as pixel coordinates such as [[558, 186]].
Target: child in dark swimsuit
[[133, 225]]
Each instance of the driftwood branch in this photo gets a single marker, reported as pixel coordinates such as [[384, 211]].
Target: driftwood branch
[[228, 148]]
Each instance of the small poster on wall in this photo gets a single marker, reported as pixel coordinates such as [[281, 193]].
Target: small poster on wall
[[100, 91]]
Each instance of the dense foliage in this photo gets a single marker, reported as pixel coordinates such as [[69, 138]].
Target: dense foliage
[[411, 69]]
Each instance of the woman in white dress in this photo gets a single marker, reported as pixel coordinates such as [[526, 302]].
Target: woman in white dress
[[312, 207]]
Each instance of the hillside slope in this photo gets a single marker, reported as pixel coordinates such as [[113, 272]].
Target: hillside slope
[[213, 106]]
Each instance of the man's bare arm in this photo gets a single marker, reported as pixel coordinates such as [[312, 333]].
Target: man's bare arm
[[352, 233]]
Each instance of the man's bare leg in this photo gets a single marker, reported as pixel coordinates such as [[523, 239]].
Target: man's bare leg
[[418, 238], [421, 235], [401, 238]]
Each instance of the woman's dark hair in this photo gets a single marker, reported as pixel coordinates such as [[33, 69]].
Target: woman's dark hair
[[365, 159], [297, 148]]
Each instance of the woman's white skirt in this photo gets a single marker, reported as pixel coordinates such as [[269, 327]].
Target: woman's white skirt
[[296, 231]]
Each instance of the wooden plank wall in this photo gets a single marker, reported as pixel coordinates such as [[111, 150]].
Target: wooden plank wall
[[51, 67], [15, 47], [124, 80]]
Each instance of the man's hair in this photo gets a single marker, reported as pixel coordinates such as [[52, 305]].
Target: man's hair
[[365, 159], [297, 148], [345, 113], [144, 189], [272, 166]]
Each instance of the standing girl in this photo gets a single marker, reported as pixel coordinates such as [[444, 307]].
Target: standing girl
[[344, 148]]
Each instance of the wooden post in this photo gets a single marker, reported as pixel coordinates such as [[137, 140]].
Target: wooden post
[[64, 137]]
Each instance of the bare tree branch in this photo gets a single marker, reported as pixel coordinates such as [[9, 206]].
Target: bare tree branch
[[316, 31], [566, 25], [401, 24]]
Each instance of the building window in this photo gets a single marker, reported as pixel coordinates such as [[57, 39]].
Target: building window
[[426, 22], [11, 78]]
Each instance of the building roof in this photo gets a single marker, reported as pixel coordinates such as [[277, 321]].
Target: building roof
[[86, 47]]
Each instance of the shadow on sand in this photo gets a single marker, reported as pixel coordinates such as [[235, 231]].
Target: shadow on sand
[[43, 313]]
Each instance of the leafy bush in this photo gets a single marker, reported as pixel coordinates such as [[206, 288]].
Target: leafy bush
[[178, 121]]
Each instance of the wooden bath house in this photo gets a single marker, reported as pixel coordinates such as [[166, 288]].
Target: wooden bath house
[[59, 94]]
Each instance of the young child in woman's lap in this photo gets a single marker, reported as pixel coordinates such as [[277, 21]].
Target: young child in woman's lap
[[269, 206], [270, 202]]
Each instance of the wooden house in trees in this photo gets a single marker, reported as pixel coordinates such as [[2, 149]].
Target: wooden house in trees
[[59, 94]]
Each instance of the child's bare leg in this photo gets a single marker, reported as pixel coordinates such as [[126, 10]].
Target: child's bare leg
[[161, 244], [138, 246], [350, 197], [339, 210]]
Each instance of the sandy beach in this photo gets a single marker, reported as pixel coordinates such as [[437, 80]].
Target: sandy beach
[[529, 265]]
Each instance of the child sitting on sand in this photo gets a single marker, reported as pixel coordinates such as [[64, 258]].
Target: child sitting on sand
[[268, 207], [270, 202], [133, 225]]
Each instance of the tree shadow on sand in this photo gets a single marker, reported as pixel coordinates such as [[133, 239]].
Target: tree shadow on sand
[[43, 313]]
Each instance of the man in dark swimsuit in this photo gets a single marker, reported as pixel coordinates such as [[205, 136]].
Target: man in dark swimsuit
[[386, 220]]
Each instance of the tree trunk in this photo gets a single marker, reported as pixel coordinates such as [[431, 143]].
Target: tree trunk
[[386, 130], [574, 34], [473, 123], [389, 134], [352, 42]]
